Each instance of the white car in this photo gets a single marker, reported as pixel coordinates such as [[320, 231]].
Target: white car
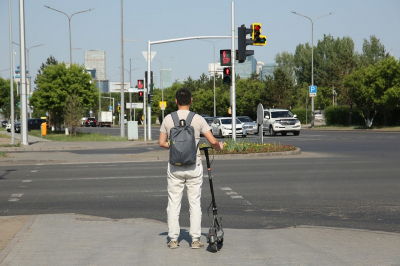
[[280, 121], [222, 127]]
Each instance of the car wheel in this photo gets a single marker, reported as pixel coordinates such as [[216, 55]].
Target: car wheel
[[296, 133], [283, 133], [220, 134], [271, 131]]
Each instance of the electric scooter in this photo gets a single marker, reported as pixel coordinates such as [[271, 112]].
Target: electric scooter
[[216, 228]]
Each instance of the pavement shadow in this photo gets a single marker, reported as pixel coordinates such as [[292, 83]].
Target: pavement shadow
[[5, 173]]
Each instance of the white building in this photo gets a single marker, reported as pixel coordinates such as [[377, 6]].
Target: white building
[[95, 59]]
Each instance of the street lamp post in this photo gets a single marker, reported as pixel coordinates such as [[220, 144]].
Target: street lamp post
[[312, 59], [215, 108], [69, 23], [30, 76], [161, 82]]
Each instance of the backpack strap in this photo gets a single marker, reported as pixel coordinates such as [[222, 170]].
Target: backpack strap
[[175, 118], [189, 118]]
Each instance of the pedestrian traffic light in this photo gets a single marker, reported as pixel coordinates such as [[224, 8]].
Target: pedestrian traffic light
[[140, 84], [141, 93], [242, 53], [119, 108], [227, 78], [256, 35]]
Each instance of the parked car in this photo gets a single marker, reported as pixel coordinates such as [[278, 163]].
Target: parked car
[[4, 123], [91, 122], [250, 125], [83, 121], [8, 127], [222, 127], [204, 115], [209, 120], [319, 115], [33, 123]]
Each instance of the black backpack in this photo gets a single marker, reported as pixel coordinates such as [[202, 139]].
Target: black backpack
[[182, 147]]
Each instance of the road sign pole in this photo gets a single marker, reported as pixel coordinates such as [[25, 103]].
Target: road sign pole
[[233, 91]]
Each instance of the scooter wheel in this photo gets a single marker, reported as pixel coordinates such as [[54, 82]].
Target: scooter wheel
[[213, 247], [220, 240]]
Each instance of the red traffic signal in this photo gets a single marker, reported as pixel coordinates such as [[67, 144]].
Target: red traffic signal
[[141, 96], [227, 78], [140, 84]]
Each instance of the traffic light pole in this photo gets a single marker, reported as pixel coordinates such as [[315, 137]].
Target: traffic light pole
[[149, 67], [233, 88]]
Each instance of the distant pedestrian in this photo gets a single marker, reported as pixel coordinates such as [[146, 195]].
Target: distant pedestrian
[[189, 175]]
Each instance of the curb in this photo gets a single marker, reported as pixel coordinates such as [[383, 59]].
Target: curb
[[144, 157]]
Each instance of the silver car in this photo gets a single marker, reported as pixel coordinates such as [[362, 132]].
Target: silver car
[[250, 125]]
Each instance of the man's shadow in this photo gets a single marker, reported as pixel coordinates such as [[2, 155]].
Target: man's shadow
[[184, 236]]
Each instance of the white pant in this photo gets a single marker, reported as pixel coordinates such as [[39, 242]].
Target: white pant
[[178, 177]]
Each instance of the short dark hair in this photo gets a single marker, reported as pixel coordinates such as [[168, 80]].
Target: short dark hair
[[183, 96]]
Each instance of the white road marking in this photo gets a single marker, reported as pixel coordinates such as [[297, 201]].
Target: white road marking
[[231, 193], [245, 202], [17, 195], [236, 197], [26, 181], [226, 188], [34, 171], [13, 199]]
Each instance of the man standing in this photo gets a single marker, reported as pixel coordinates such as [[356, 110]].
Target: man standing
[[189, 175]]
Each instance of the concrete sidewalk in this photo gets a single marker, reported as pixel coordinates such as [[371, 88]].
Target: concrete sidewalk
[[71, 239]]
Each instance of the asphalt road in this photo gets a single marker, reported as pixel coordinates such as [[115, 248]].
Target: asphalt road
[[341, 179]]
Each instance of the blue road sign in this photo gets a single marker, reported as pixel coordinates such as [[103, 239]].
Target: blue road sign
[[313, 91], [110, 108], [119, 103]]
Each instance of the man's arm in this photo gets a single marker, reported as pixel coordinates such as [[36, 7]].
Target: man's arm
[[163, 140], [213, 141]]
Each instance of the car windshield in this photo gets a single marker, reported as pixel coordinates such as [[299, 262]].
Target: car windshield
[[245, 119], [229, 121], [279, 114]]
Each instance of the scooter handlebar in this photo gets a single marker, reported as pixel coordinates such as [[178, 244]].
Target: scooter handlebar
[[205, 149]]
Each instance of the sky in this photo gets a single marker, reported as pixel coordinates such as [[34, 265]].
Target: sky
[[157, 20]]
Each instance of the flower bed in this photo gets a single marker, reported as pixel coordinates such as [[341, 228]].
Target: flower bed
[[245, 147]]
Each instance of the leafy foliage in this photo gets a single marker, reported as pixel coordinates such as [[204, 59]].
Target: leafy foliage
[[5, 98], [58, 82], [73, 112]]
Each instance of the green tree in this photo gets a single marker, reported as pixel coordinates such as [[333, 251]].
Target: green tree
[[51, 61], [302, 62], [373, 51], [5, 99], [54, 86], [285, 61], [375, 88], [73, 112]]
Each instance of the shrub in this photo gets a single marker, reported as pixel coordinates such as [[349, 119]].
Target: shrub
[[301, 114]]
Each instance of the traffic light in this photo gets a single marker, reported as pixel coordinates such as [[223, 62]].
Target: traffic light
[[140, 84], [119, 108], [145, 79], [256, 35], [242, 53], [150, 98], [227, 78], [141, 96]]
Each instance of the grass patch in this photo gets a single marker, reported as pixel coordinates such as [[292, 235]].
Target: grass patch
[[340, 127], [246, 146], [3, 154], [80, 136]]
